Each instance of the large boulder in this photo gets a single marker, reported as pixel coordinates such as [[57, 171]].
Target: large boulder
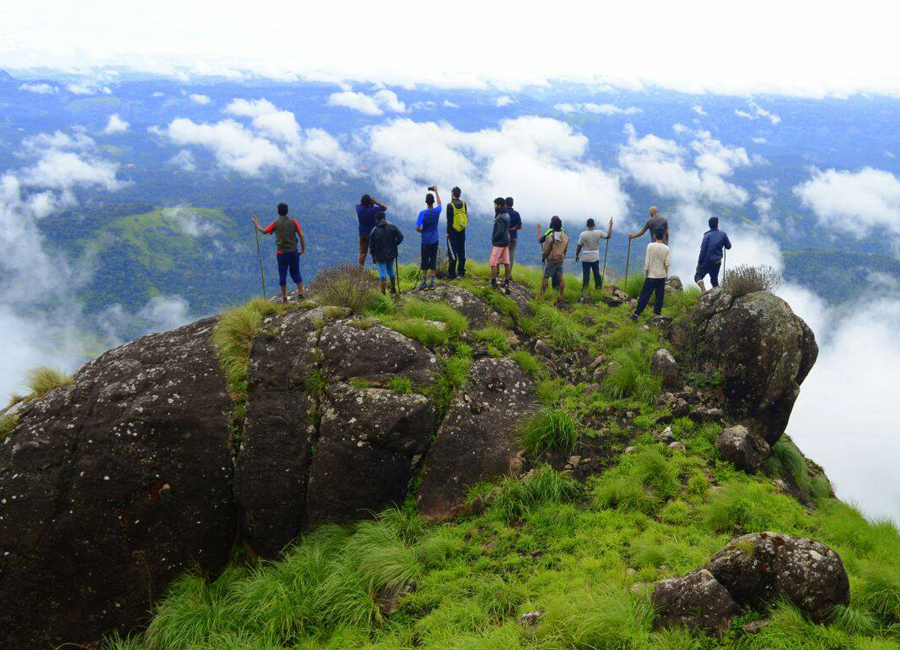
[[696, 601], [113, 486], [763, 350], [297, 448], [759, 567], [463, 301], [743, 448], [478, 438]]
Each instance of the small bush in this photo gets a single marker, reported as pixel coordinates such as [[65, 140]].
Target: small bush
[[744, 279], [346, 285], [42, 380], [550, 428], [880, 593], [232, 338]]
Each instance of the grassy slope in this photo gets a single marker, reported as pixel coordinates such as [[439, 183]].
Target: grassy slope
[[575, 552]]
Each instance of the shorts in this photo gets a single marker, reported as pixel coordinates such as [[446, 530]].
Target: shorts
[[363, 245], [711, 269], [289, 261], [554, 272], [499, 255], [429, 256], [385, 269]]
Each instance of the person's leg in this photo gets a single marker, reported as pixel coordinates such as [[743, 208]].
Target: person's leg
[[698, 278], [543, 287], [363, 249], [644, 297], [512, 252], [461, 254], [382, 274], [562, 283], [660, 296], [585, 277], [282, 273], [714, 273], [433, 262], [294, 267], [598, 279], [451, 255], [390, 271], [423, 254]]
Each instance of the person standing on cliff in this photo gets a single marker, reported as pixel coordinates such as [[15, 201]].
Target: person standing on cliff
[[515, 225], [383, 243], [554, 245], [711, 253], [427, 224], [287, 231], [365, 213], [654, 223], [588, 251], [500, 244], [656, 270], [457, 221]]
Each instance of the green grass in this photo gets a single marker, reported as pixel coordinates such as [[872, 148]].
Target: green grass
[[496, 339], [788, 462], [559, 327], [435, 311], [7, 424], [550, 429], [529, 363], [43, 379], [630, 375], [400, 385]]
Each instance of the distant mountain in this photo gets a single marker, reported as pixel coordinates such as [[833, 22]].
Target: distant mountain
[[6, 77]]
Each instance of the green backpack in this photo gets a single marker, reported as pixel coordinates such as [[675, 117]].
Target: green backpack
[[460, 217]]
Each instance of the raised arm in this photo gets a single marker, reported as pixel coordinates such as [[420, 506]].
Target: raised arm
[[379, 204], [264, 231], [437, 196], [638, 234], [609, 231], [727, 242]]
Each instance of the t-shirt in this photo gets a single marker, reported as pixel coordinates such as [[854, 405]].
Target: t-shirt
[[656, 263], [655, 223], [366, 216], [515, 220], [589, 240], [428, 222], [286, 231]]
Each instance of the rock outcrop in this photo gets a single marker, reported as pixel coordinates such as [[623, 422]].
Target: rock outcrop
[[664, 365], [753, 571], [763, 350], [696, 601], [743, 448], [112, 487]]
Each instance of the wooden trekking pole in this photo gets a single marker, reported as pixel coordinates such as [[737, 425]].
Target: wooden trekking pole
[[262, 275], [627, 260], [605, 255], [724, 259], [397, 273]]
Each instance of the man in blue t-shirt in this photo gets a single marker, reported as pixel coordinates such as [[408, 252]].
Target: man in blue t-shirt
[[515, 225], [365, 212], [714, 241], [427, 224]]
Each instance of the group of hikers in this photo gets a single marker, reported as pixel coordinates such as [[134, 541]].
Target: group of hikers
[[381, 240]]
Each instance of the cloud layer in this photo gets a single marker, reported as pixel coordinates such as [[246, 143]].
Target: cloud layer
[[377, 104]]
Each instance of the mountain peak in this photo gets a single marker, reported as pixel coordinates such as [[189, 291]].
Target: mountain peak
[[5, 76]]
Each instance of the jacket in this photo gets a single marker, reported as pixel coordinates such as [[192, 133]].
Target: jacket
[[711, 248], [384, 240], [500, 236]]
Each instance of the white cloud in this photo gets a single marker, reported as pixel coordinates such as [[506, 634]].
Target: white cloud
[[449, 104], [698, 109], [88, 89], [524, 157], [203, 100], [115, 125], [666, 167], [191, 222], [504, 100], [185, 160], [757, 111], [856, 203], [40, 89], [596, 109], [376, 104], [758, 140], [161, 313], [273, 142]]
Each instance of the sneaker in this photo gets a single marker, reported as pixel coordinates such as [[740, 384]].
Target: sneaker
[[633, 317]]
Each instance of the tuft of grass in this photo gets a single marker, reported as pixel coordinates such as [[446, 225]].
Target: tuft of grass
[[630, 375], [346, 285], [512, 498], [745, 278], [558, 326], [751, 506], [597, 618], [44, 379], [652, 469], [788, 462], [528, 362], [550, 428], [495, 337], [880, 593], [435, 311], [7, 424], [417, 329], [623, 493], [400, 385]]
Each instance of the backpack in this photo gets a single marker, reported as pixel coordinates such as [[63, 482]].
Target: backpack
[[460, 217]]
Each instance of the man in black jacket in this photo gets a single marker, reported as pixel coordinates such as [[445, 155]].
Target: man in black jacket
[[457, 220], [383, 244]]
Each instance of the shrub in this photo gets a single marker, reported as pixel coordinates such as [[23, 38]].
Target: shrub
[[346, 285], [880, 593], [744, 279], [42, 380], [550, 428]]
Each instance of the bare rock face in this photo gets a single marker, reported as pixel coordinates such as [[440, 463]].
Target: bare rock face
[[760, 567], [763, 350], [743, 448], [696, 601], [664, 365], [112, 487], [478, 436]]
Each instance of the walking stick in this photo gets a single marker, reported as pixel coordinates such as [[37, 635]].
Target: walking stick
[[397, 273], [627, 260], [605, 255], [724, 259], [262, 275]]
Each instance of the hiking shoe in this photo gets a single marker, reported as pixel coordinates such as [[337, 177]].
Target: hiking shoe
[[633, 317]]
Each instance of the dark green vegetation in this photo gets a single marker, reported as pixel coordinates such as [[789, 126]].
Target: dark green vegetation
[[576, 552]]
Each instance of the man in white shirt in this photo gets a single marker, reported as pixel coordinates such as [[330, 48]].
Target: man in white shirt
[[656, 267], [589, 252]]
